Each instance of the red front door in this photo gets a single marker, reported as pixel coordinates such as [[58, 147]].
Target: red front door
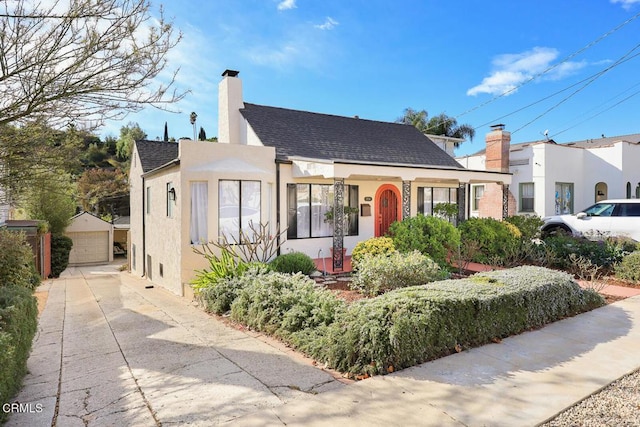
[[387, 210]]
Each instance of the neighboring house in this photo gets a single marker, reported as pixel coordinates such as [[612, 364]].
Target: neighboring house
[[551, 178], [92, 240], [286, 168]]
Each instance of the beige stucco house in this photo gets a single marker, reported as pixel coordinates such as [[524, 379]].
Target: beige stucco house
[[286, 168]]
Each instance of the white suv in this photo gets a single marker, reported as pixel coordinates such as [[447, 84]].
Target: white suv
[[605, 218]]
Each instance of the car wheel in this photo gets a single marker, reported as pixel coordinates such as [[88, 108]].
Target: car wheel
[[556, 230]]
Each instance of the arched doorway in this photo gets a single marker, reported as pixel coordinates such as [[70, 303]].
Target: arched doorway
[[601, 191], [387, 208]]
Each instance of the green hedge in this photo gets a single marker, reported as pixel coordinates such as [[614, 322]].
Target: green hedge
[[60, 248], [403, 327], [18, 324], [409, 326], [16, 261], [294, 262]]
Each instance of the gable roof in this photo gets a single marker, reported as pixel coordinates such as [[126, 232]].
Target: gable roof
[[154, 154], [304, 134]]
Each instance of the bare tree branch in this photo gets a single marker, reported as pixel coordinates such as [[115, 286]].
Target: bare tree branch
[[83, 61]]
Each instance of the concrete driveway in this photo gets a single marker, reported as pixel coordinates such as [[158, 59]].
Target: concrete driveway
[[111, 352]]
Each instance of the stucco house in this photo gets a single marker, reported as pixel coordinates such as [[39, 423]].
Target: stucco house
[[286, 168], [551, 178]]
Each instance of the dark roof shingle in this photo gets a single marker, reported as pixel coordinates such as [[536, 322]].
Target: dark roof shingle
[[321, 136], [154, 154]]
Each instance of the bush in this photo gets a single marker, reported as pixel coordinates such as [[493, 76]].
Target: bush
[[434, 237], [18, 324], [372, 246], [60, 248], [227, 265], [528, 225], [495, 240], [290, 307], [294, 262], [604, 253], [216, 293], [380, 273], [16, 260], [409, 326], [629, 268]]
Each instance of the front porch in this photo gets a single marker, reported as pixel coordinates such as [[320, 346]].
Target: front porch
[[326, 265]]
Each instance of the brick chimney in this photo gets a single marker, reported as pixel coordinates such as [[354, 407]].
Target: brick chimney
[[229, 105], [497, 153]]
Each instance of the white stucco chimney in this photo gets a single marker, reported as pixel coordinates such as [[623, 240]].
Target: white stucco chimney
[[229, 105]]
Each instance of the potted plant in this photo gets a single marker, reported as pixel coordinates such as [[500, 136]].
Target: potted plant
[[348, 211]]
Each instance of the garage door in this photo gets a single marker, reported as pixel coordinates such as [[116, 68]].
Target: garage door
[[89, 247]]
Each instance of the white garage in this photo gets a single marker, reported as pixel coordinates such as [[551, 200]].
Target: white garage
[[92, 240]]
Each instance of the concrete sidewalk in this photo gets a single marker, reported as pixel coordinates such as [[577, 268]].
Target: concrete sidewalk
[[110, 352]]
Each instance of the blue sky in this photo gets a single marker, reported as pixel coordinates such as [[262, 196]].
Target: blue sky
[[567, 66]]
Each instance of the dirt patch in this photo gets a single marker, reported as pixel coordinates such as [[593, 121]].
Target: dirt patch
[[41, 296], [342, 291]]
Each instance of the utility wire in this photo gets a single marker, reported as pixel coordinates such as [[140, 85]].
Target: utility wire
[[603, 111], [593, 79], [532, 78]]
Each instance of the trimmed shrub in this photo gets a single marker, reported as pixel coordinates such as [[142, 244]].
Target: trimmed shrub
[[629, 268], [528, 225], [381, 273], [60, 248], [18, 324], [216, 293], [372, 246], [16, 260], [294, 262], [290, 307], [408, 326], [434, 237], [494, 240]]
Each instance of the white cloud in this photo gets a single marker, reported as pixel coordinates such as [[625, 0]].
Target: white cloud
[[626, 4], [329, 23], [287, 4], [511, 70]]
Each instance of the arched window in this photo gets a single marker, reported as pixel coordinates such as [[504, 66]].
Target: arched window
[[638, 191], [628, 190], [601, 191]]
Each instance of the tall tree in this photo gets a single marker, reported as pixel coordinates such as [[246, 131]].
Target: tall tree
[[33, 150], [437, 125], [166, 133], [202, 136], [83, 61], [129, 134], [50, 200], [101, 190]]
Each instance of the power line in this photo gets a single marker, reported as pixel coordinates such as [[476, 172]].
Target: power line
[[590, 81], [574, 54]]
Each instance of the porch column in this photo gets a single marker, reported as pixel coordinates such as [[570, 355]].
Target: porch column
[[505, 201], [338, 223], [406, 199], [462, 202]]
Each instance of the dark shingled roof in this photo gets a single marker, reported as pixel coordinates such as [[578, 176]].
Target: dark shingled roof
[[321, 136], [154, 154]]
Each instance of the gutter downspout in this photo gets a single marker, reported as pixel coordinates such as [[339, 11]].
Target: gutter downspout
[[144, 239], [278, 206]]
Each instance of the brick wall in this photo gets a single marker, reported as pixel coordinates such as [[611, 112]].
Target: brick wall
[[490, 204]]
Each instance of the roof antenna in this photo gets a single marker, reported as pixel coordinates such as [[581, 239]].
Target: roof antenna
[[546, 134]]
